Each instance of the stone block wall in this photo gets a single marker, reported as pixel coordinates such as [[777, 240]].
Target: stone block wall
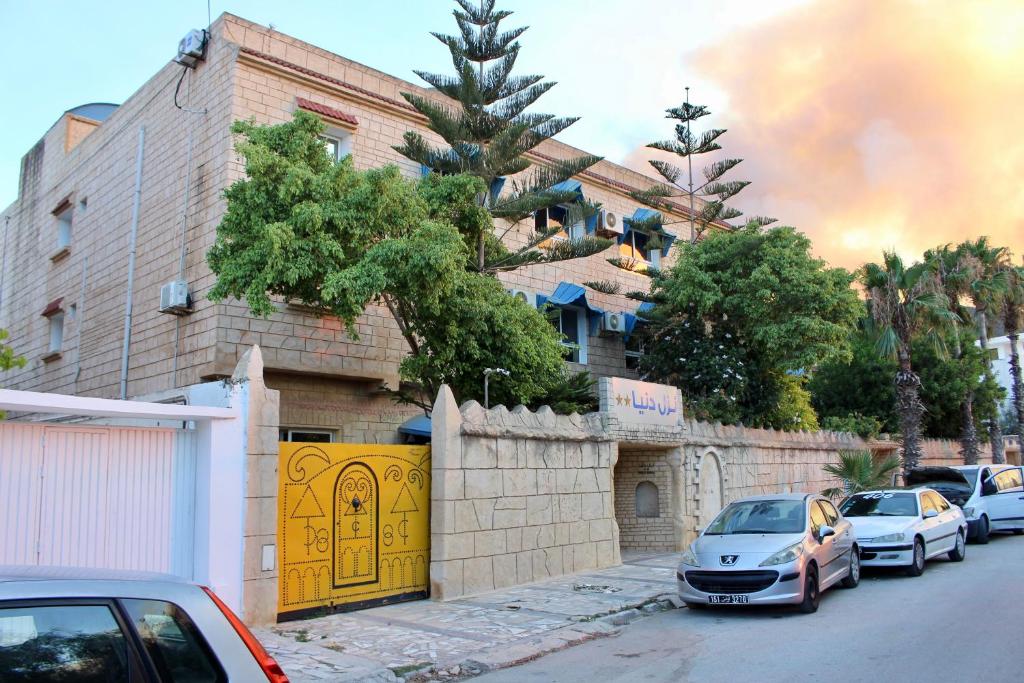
[[637, 531], [517, 497]]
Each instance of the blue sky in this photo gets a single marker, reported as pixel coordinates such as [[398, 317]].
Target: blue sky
[[618, 64]]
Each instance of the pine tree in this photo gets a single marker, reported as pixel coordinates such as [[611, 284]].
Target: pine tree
[[713, 191], [489, 134]]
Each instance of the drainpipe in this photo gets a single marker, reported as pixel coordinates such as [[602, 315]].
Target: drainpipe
[[131, 264]]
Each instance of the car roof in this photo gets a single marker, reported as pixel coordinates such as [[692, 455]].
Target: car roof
[[775, 496], [10, 573]]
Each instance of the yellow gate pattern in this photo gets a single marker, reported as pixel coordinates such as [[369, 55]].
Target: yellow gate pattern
[[354, 525]]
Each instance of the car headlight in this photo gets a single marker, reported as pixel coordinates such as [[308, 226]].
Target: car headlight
[[888, 538], [689, 558], [785, 555], [969, 513]]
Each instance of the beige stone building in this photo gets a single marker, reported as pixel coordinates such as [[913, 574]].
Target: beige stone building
[[64, 294]]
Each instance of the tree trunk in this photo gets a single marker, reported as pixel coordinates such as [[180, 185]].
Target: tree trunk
[[995, 432], [909, 408], [1016, 384], [968, 432]]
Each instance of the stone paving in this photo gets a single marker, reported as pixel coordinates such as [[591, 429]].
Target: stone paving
[[463, 637]]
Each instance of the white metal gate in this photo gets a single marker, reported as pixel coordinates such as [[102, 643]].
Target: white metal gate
[[111, 497]]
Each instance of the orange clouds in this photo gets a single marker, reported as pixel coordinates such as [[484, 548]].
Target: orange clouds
[[877, 125]]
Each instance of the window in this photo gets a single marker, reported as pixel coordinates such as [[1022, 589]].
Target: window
[[927, 504], [817, 519], [761, 517], [306, 435], [635, 348], [1008, 480], [993, 354], [647, 500], [338, 144], [939, 502], [64, 217], [173, 642], [879, 504], [56, 324], [62, 643], [572, 322], [831, 516], [637, 246]]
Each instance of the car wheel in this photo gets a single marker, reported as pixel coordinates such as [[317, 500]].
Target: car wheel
[[983, 529], [916, 567], [812, 596], [853, 575], [960, 549]]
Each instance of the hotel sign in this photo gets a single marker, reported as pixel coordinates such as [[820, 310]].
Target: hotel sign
[[641, 402]]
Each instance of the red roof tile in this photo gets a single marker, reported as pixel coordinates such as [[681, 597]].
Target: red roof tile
[[324, 110]]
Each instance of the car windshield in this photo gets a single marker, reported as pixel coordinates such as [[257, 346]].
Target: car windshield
[[759, 517], [971, 476], [880, 505]]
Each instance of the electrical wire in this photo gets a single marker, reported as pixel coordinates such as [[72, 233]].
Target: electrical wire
[[177, 88]]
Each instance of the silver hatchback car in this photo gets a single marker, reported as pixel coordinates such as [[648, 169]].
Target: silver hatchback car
[[770, 550], [60, 624]]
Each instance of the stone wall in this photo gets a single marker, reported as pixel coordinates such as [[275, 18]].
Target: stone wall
[[517, 497], [946, 452]]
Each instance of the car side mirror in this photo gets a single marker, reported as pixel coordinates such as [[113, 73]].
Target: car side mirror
[[931, 513], [988, 487], [824, 532]]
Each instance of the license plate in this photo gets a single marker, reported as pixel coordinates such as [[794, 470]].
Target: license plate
[[727, 599]]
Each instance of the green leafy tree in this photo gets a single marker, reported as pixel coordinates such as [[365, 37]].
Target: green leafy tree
[[1013, 320], [306, 229], [8, 359], [858, 471], [987, 285], [846, 391], [741, 318], [905, 302], [488, 134], [712, 191], [954, 273], [946, 378]]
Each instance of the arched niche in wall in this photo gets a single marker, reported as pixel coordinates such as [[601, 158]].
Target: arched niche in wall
[[712, 488], [647, 500]]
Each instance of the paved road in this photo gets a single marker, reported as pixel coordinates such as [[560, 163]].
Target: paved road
[[957, 622]]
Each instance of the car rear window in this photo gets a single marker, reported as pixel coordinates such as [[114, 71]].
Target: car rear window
[[81, 643], [173, 642], [880, 505]]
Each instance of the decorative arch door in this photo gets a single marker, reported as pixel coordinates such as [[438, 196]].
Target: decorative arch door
[[356, 520]]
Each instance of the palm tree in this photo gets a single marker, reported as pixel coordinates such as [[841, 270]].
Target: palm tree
[[987, 286], [905, 301], [859, 472], [1013, 319], [954, 277]]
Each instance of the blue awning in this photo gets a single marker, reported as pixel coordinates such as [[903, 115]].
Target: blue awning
[[568, 294], [416, 426], [650, 221], [571, 185], [632, 320]]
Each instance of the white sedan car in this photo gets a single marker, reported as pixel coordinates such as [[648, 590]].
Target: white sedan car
[[903, 528]]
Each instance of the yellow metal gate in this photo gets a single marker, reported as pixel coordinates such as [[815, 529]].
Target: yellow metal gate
[[354, 526]]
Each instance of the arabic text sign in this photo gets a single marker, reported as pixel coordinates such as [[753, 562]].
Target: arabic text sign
[[644, 402]]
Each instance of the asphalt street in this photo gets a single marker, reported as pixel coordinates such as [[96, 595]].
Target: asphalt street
[[957, 622]]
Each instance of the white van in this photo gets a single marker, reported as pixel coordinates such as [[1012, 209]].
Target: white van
[[992, 496]]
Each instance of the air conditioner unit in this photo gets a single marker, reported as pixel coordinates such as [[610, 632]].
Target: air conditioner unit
[[609, 223], [175, 299], [614, 322], [192, 48], [527, 297]]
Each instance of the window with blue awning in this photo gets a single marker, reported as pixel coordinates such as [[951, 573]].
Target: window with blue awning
[[647, 221]]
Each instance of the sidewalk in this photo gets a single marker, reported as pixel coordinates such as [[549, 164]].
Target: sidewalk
[[467, 636]]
